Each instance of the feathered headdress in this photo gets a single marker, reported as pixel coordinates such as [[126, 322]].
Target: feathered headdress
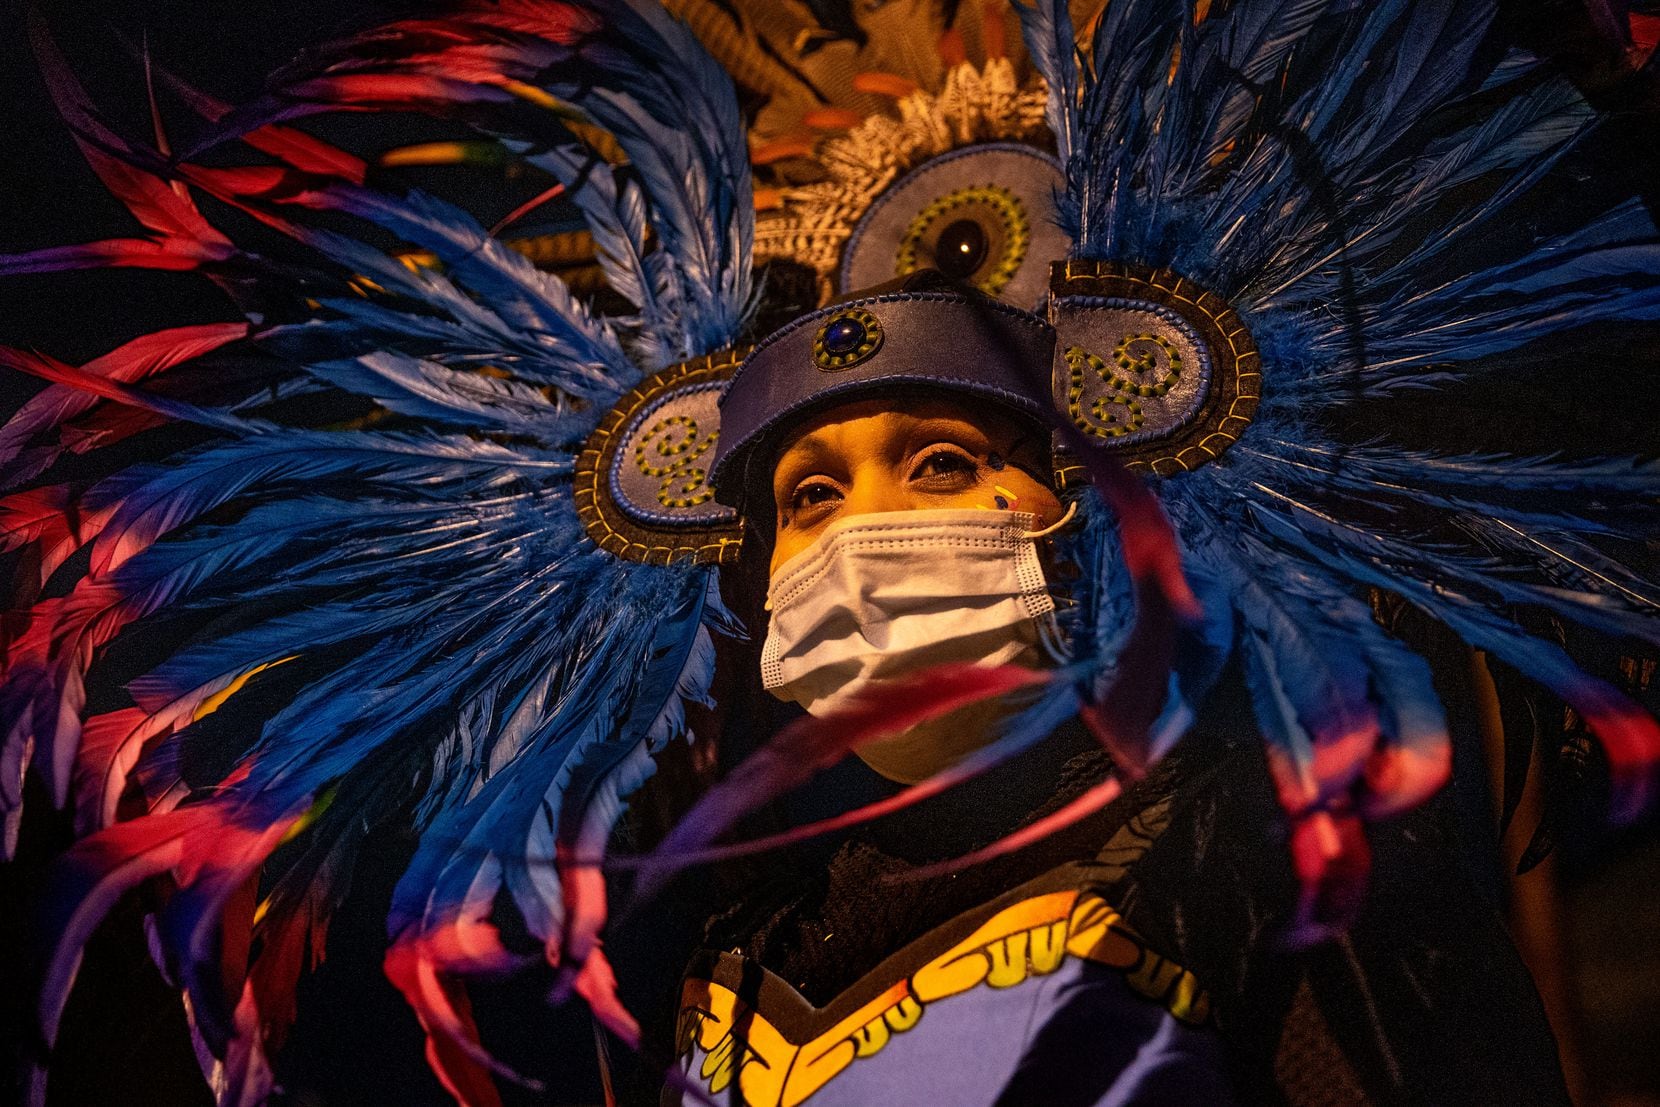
[[458, 517]]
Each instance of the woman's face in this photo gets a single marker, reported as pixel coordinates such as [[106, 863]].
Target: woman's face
[[903, 455]]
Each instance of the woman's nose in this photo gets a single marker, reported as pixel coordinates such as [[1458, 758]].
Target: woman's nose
[[874, 490]]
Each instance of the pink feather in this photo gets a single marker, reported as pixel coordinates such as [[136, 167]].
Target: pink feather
[[55, 651], [210, 841], [1332, 861], [1631, 738], [178, 255], [43, 517], [110, 746]]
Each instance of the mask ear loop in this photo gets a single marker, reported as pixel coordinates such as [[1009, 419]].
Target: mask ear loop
[[1071, 510]]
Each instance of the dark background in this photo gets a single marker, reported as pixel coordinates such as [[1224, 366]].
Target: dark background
[[124, 1038]]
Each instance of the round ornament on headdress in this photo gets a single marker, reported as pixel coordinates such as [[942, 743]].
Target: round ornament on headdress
[[1161, 370], [977, 235], [641, 484], [983, 215], [845, 339]]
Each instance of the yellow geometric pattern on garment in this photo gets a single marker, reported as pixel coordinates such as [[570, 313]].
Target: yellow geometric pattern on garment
[[1028, 939]]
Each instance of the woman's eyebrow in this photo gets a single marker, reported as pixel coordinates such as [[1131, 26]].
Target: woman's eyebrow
[[804, 454], [943, 426], [959, 432], [811, 449]]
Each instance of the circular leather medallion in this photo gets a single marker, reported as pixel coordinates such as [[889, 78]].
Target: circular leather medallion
[[642, 478], [1134, 370], [984, 214], [1160, 369]]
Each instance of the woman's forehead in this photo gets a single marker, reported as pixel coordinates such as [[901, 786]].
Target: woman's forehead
[[889, 414]]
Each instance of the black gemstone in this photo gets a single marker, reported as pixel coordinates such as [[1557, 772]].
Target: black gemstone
[[961, 249], [843, 336]]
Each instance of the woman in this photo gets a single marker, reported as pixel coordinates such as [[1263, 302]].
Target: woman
[[434, 564], [1138, 956]]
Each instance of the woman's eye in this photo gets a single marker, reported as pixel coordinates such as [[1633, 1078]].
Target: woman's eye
[[811, 494], [942, 463]]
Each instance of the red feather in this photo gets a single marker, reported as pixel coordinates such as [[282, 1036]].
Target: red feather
[[425, 967], [297, 148], [153, 202], [105, 427], [132, 361], [40, 516], [89, 879], [812, 743]]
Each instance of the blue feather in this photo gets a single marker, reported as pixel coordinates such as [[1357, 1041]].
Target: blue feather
[[1298, 633], [1046, 28], [615, 207], [1470, 578], [428, 390], [515, 816], [1596, 497], [150, 501], [1611, 714], [525, 297]]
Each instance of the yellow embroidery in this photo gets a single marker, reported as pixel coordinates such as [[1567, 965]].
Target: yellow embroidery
[[1048, 948], [1030, 938], [739, 1047], [1236, 387], [683, 483], [1014, 232], [903, 1014], [1135, 354], [1099, 934], [822, 1059]]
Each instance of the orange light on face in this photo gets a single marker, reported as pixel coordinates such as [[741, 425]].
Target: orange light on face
[[897, 454]]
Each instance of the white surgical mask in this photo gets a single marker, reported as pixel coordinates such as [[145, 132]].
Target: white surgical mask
[[879, 597]]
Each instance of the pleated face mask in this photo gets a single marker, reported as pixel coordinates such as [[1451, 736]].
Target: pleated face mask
[[878, 597]]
